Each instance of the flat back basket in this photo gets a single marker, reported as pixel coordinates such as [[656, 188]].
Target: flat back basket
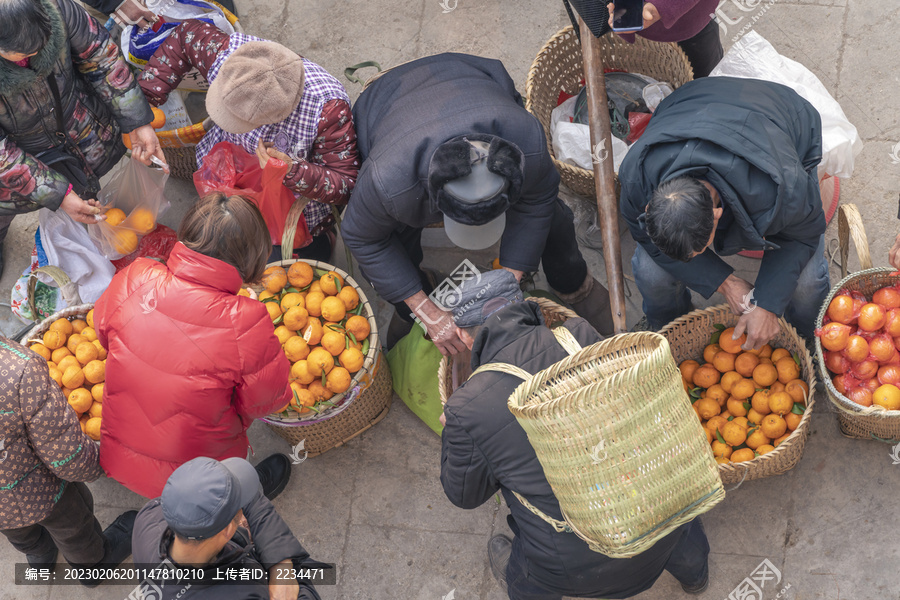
[[559, 66], [619, 443], [689, 335], [365, 403]]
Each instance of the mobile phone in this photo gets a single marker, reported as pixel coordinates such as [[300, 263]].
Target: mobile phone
[[628, 15]]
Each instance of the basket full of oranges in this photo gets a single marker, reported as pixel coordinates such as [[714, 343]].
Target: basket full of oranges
[[755, 405], [326, 326]]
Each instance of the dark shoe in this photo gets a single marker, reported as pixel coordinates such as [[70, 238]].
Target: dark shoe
[[642, 325], [397, 330], [698, 588], [591, 301], [274, 474], [43, 560], [116, 545], [499, 551]]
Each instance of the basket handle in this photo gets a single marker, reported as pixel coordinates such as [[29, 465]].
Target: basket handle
[[850, 225], [69, 290], [295, 213], [558, 526]]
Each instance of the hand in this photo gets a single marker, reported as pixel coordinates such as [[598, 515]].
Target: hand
[[515, 272], [439, 324], [651, 15], [83, 211], [145, 144], [443, 420], [894, 254], [267, 150], [737, 293], [133, 12], [284, 588], [760, 326]]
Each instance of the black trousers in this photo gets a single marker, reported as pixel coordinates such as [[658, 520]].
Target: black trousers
[[704, 50], [563, 264], [71, 526]]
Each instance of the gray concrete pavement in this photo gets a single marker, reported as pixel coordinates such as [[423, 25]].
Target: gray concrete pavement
[[375, 506]]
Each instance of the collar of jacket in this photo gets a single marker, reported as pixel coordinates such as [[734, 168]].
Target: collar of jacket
[[14, 79], [200, 269], [503, 328]]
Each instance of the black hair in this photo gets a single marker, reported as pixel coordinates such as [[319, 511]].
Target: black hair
[[24, 26], [680, 217]]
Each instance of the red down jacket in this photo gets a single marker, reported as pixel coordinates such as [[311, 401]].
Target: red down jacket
[[190, 366]]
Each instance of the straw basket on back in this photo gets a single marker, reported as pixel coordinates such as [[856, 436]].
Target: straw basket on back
[[559, 66], [618, 441], [689, 335]]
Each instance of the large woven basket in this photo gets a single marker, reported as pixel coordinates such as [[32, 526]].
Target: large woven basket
[[559, 66], [619, 443], [453, 372], [689, 335], [364, 404]]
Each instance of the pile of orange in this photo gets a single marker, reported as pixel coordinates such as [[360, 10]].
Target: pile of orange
[[747, 401], [860, 340], [77, 363], [127, 228], [318, 322]]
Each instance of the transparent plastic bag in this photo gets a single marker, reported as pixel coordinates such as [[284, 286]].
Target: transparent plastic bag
[[138, 191]]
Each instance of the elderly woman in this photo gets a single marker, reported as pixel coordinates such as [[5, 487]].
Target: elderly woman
[[66, 97], [274, 103]]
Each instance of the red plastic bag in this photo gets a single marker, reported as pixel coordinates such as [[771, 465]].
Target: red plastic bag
[[157, 244], [637, 123], [230, 169]]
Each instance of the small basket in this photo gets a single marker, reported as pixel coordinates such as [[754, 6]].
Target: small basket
[[453, 372], [689, 335], [559, 66], [619, 444], [70, 312], [365, 403]]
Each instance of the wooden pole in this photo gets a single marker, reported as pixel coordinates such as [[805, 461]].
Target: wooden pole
[[604, 177]]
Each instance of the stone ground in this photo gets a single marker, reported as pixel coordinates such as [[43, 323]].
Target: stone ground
[[375, 506]]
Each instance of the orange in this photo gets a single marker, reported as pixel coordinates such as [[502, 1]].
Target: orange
[[59, 354], [792, 420], [780, 403], [707, 408], [743, 389], [776, 387], [296, 318], [95, 371], [358, 326], [841, 309], [778, 354], [63, 326], [742, 421], [717, 393], [56, 375], [757, 439], [892, 324], [731, 345], [54, 339], [319, 361], [835, 336], [331, 283], [882, 348], [315, 287], [265, 295], [300, 274], [89, 334], [90, 318], [296, 348], [872, 317], [716, 423], [290, 300], [729, 379], [349, 297], [92, 428], [734, 434], [320, 391], [753, 416], [743, 455], [745, 363], [284, 334], [709, 435], [781, 439], [760, 402], [80, 400], [706, 376], [721, 450], [142, 220], [338, 380], [798, 389], [273, 309], [722, 460], [334, 341], [159, 118], [74, 340], [96, 409], [73, 377], [101, 351], [723, 361], [244, 292], [41, 350], [788, 369], [861, 395], [773, 426], [352, 359], [78, 325], [313, 332], [125, 242], [888, 297], [314, 303], [765, 449], [764, 352], [736, 407], [97, 392], [274, 279], [85, 352], [303, 399], [68, 361], [887, 396], [333, 309], [687, 368], [857, 348], [300, 372], [726, 414], [115, 216], [709, 353]]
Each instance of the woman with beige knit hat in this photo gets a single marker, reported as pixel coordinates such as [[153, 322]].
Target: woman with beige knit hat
[[273, 103]]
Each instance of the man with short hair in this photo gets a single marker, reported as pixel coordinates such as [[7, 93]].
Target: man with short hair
[[727, 165], [213, 515]]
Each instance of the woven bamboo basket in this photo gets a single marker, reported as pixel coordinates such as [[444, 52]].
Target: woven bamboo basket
[[559, 66], [689, 335], [365, 403], [453, 372], [619, 443]]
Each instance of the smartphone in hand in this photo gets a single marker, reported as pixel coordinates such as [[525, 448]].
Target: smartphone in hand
[[628, 15]]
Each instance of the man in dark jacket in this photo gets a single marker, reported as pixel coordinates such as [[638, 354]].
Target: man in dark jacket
[[213, 515], [446, 138], [728, 165], [484, 450]]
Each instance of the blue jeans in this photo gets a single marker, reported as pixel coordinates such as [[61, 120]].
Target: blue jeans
[[666, 298]]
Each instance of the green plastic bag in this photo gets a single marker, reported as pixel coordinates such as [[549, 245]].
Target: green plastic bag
[[414, 364]]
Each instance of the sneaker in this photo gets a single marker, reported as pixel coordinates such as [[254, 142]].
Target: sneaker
[[43, 560], [116, 544], [499, 551], [274, 474]]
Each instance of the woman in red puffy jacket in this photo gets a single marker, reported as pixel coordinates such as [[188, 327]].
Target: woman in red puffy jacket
[[191, 364]]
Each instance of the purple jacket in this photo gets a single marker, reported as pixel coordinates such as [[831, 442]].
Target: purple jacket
[[679, 20]]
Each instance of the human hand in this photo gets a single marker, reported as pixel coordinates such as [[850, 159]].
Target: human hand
[[438, 323], [134, 12], [737, 292], [518, 274], [894, 254], [443, 420], [283, 588], [760, 325], [267, 150], [83, 211], [145, 145]]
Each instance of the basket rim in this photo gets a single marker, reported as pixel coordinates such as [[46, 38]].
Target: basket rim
[[837, 399], [743, 468]]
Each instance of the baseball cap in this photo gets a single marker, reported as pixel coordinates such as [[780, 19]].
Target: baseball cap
[[203, 495]]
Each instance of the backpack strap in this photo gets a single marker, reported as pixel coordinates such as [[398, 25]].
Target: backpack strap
[[566, 340]]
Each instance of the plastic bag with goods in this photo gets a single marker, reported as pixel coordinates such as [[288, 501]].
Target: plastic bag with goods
[[68, 246]]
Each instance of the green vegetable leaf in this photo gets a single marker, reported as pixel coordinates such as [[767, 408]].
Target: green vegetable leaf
[[714, 338], [719, 437], [324, 379], [365, 348], [731, 418], [746, 405], [291, 290], [798, 409], [796, 358], [752, 431], [278, 321], [695, 393], [352, 337], [271, 299], [337, 284], [719, 327], [740, 447]]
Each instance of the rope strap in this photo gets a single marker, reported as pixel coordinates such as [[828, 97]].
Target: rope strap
[[558, 526]]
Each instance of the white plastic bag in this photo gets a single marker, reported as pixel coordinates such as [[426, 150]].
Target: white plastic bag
[[753, 57], [572, 141], [175, 111], [69, 247]]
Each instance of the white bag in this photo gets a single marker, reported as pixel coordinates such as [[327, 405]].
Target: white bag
[[69, 247], [753, 57], [572, 141]]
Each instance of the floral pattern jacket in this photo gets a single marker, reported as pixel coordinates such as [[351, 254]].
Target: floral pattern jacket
[[100, 99]]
